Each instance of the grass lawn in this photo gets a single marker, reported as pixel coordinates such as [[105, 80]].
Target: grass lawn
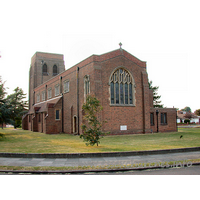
[[21, 141]]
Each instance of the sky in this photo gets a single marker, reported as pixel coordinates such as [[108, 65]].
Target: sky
[[165, 34]]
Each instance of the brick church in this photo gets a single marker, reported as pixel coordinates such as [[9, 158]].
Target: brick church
[[117, 78]]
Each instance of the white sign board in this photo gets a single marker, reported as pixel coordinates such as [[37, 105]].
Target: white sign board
[[123, 127]]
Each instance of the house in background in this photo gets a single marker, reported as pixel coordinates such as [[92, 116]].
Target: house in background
[[182, 115]]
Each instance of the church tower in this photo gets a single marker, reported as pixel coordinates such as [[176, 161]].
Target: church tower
[[44, 66]]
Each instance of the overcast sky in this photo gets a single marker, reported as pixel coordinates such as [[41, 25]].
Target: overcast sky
[[165, 34]]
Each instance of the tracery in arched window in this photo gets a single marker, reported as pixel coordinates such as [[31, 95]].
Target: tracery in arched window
[[121, 88]]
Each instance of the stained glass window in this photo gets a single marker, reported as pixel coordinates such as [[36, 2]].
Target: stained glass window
[[121, 87]]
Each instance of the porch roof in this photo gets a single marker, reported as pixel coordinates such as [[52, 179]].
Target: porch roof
[[42, 106]]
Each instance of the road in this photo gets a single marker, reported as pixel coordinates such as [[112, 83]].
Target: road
[[193, 170], [102, 161]]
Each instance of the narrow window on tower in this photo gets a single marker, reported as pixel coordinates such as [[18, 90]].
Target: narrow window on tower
[[44, 70], [55, 70]]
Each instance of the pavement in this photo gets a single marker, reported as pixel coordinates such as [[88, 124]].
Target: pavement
[[99, 161], [189, 126]]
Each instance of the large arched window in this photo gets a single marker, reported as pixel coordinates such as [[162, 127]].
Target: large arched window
[[55, 70], [44, 69], [122, 88]]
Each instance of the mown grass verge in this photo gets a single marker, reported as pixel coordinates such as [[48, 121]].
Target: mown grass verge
[[21, 141]]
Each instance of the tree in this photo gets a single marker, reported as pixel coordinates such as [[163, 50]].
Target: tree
[[156, 97], [2, 90], [197, 112], [188, 115], [4, 113], [17, 106], [186, 109], [92, 126], [4, 108]]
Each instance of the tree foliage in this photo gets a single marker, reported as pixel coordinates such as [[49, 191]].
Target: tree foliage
[[188, 115], [17, 106], [186, 109], [2, 91], [91, 125], [156, 97], [13, 106], [197, 112], [4, 109]]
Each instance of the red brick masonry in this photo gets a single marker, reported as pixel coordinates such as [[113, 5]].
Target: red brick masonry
[[63, 112]]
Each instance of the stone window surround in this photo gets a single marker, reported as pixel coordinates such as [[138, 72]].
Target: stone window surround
[[131, 80]]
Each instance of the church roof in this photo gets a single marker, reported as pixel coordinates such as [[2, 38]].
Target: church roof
[[110, 55]]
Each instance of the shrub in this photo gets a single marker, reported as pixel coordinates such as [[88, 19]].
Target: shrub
[[186, 121], [92, 126], [1, 135]]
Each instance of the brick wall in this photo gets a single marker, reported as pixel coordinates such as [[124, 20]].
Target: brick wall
[[131, 116], [54, 125], [171, 120], [99, 69], [36, 76]]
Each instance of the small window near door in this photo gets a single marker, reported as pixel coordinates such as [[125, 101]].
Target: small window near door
[[57, 114], [163, 118], [152, 119]]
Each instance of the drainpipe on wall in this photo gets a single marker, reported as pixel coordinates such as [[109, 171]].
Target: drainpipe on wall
[[45, 92], [41, 121], [78, 100], [157, 112], [33, 98], [62, 104], [42, 62], [62, 113]]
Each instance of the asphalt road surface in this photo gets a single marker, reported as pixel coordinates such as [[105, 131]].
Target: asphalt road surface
[[193, 170], [102, 161]]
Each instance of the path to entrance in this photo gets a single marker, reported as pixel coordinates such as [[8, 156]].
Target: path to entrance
[[101, 161]]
